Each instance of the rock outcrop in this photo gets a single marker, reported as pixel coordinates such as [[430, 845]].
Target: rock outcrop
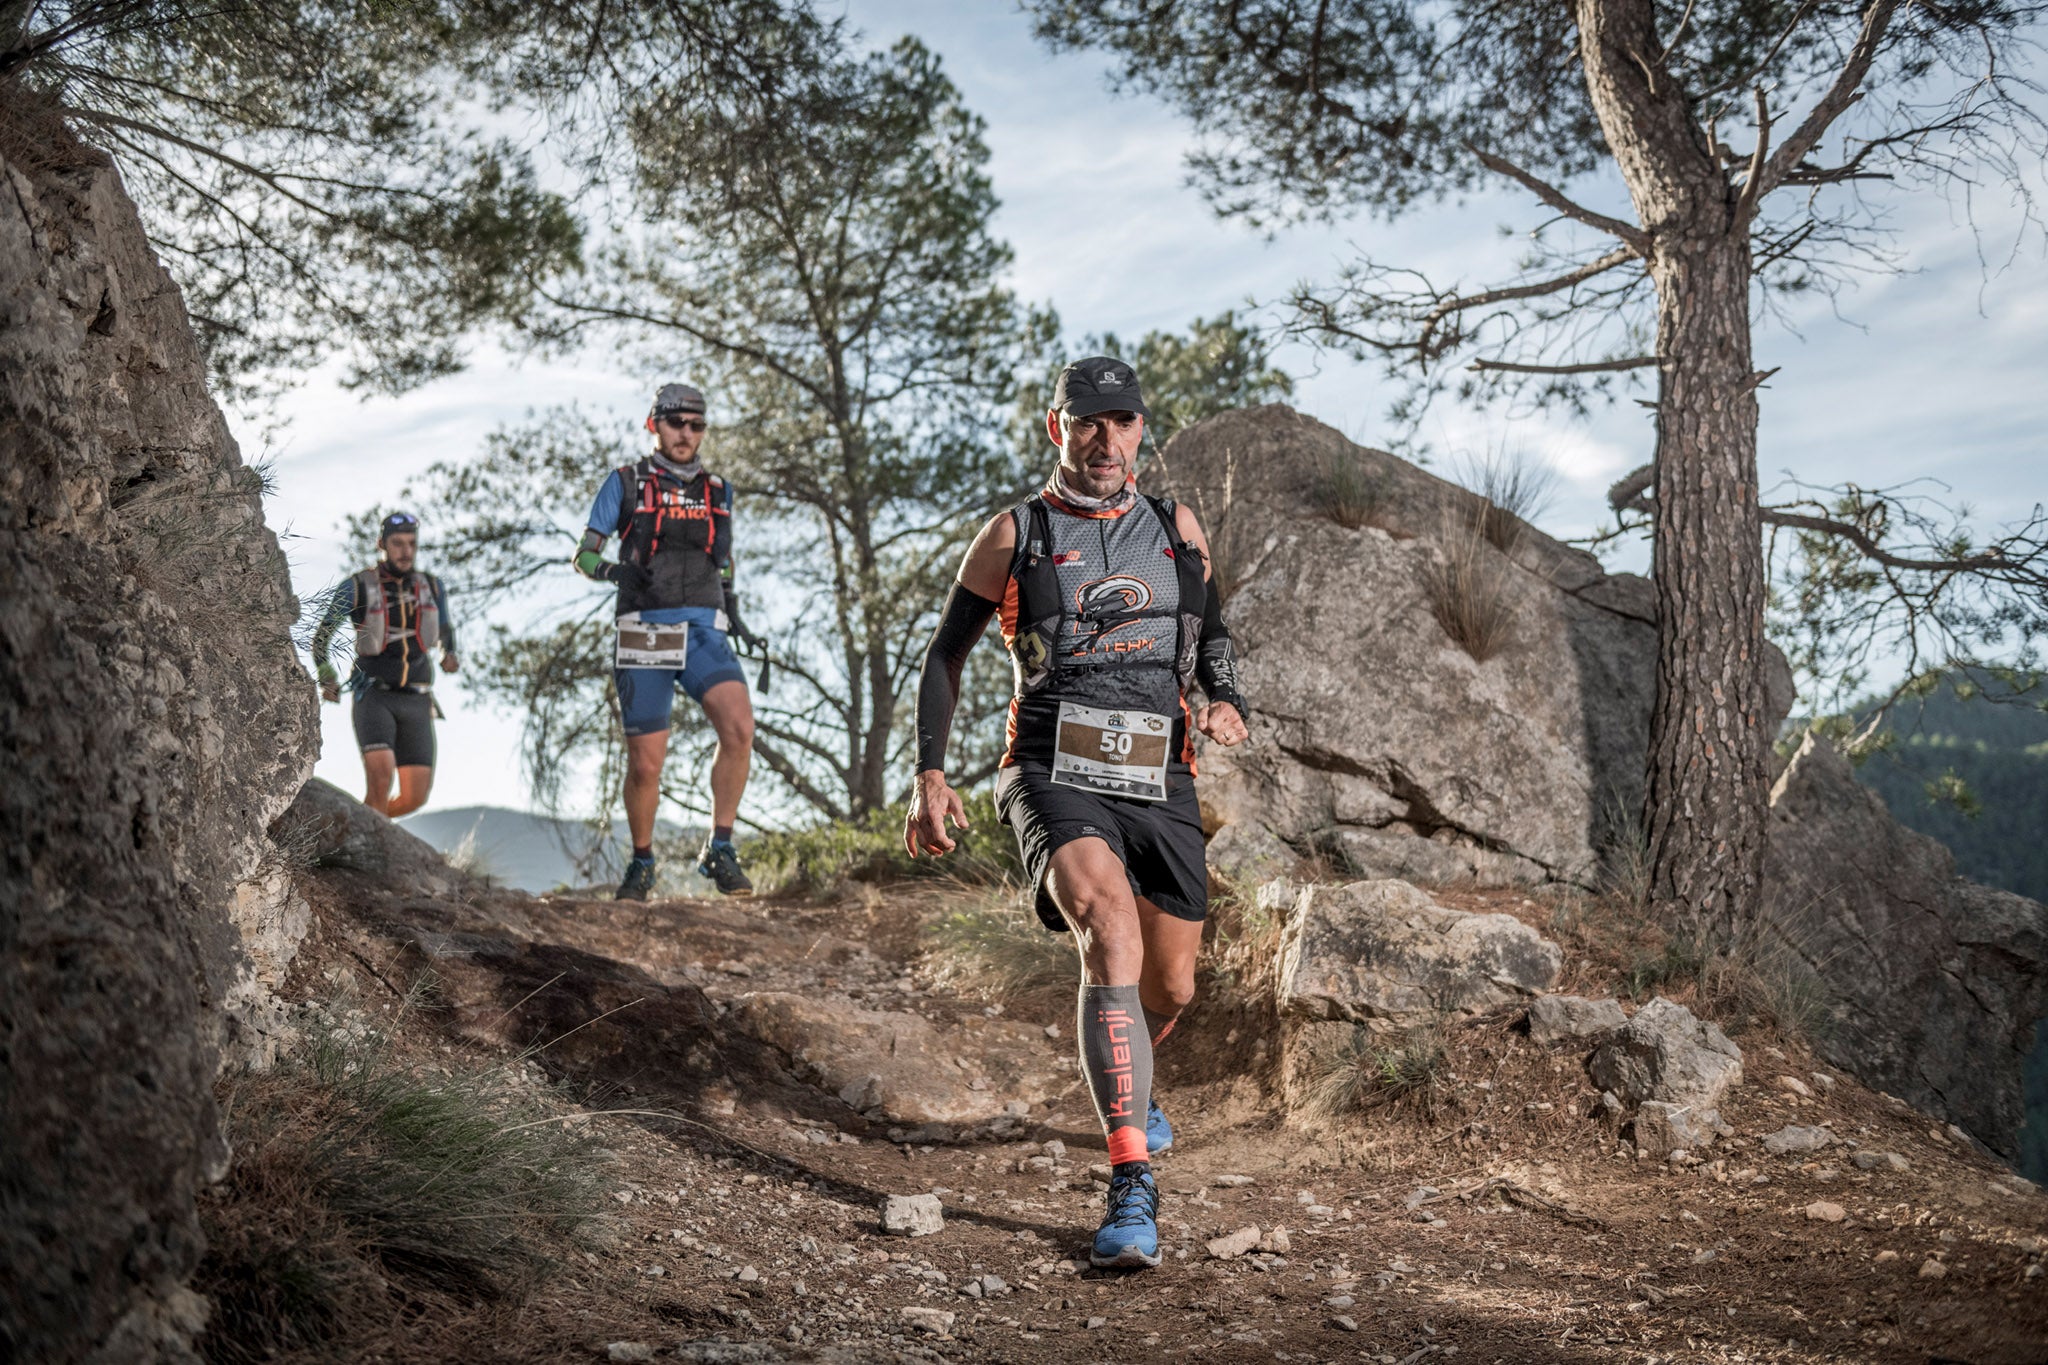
[[1379, 741], [1384, 952], [1933, 983], [893, 1066], [1382, 745], [155, 721]]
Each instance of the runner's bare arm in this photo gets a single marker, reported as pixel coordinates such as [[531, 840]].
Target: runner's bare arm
[[1223, 718], [974, 599]]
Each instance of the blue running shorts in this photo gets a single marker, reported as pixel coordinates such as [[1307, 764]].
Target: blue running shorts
[[646, 695]]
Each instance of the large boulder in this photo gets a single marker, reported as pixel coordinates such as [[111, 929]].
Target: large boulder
[[326, 827], [1378, 741], [1933, 983], [155, 721], [1383, 951]]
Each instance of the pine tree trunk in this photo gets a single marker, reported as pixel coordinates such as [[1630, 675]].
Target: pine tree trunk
[[1705, 797], [1706, 794]]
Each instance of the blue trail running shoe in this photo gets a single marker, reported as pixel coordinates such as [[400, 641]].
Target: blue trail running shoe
[[1130, 1231], [721, 863], [1158, 1132], [639, 881]]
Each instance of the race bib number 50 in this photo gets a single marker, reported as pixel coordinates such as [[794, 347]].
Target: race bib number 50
[[652, 644], [1117, 753]]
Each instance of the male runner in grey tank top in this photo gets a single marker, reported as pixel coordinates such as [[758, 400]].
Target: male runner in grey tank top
[[1106, 611]]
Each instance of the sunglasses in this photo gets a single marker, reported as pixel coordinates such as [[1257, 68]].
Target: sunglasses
[[684, 423]]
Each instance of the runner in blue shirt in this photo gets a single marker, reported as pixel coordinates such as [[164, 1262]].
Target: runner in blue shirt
[[676, 610]]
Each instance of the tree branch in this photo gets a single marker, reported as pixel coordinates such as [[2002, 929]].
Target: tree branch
[[1745, 202], [1840, 95], [1635, 362], [1637, 239], [1864, 541]]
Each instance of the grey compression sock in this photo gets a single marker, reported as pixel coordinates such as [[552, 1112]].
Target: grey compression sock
[[1116, 1057]]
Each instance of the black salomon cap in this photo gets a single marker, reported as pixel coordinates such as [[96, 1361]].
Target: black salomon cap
[[397, 521], [676, 398], [1098, 384]]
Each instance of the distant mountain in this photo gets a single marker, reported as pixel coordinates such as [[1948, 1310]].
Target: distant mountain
[[1998, 750], [539, 853]]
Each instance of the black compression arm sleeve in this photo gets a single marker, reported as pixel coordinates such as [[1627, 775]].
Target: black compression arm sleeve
[[1216, 658], [938, 686]]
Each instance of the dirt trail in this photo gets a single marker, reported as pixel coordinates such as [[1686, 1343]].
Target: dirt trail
[[1503, 1226]]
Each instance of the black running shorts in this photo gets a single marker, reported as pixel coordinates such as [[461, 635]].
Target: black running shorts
[[402, 722], [1160, 842]]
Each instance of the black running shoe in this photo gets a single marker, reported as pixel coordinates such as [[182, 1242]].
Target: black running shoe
[[721, 863], [639, 881]]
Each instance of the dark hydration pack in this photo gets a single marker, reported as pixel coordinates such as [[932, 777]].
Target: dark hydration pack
[[1042, 606], [648, 503]]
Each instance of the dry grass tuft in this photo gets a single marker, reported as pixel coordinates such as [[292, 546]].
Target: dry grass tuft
[[1513, 492], [1347, 491], [1369, 1072], [994, 949], [1469, 590], [367, 1193], [1243, 947]]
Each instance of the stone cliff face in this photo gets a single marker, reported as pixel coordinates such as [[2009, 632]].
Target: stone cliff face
[[1382, 745], [155, 721], [1382, 742]]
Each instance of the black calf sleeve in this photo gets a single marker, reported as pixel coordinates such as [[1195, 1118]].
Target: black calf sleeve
[[938, 685]]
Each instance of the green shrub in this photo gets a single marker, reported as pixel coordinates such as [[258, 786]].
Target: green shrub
[[821, 859]]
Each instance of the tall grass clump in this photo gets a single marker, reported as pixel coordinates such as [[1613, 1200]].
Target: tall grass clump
[[995, 949], [1513, 492], [1469, 592], [1347, 490], [366, 1192], [1368, 1071]]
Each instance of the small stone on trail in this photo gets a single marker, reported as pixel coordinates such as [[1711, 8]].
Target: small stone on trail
[[1792, 1085], [1419, 1196], [1884, 1256], [1870, 1161], [937, 1321], [1235, 1244], [1824, 1081], [1277, 1241], [912, 1215], [1055, 1149], [747, 1274], [629, 1350], [1794, 1138], [1340, 1301], [1231, 1182], [1094, 1323], [1931, 1269], [1821, 1211], [1052, 1030], [1344, 1324]]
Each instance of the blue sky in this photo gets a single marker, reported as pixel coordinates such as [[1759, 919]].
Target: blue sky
[[1933, 372]]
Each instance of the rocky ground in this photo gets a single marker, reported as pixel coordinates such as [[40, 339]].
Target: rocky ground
[[753, 1069]]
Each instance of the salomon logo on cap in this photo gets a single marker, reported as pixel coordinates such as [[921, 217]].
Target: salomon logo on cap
[[1098, 384]]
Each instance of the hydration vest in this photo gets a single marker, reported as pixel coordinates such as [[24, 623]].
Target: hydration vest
[[651, 506], [376, 631], [681, 533], [1100, 611]]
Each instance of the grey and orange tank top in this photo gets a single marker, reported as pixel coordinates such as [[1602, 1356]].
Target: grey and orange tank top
[[1102, 609]]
